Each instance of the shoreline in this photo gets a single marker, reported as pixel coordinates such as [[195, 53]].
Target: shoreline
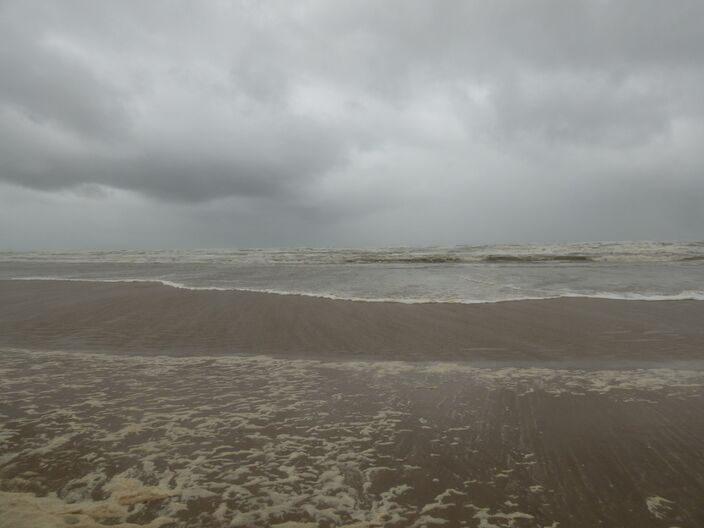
[[149, 317], [181, 286]]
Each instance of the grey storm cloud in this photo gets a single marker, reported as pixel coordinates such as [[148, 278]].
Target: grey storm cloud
[[359, 112]]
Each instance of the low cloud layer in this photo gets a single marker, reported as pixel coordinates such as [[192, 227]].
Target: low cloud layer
[[328, 123]]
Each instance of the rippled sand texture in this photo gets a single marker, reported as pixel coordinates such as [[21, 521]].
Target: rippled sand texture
[[90, 440]]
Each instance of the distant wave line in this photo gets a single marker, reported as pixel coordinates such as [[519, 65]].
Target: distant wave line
[[367, 258]]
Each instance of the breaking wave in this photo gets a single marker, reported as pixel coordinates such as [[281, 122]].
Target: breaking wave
[[537, 258], [391, 259]]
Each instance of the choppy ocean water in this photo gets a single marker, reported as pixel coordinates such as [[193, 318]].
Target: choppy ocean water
[[464, 274]]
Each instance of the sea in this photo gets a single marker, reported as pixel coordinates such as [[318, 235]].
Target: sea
[[92, 438], [427, 274]]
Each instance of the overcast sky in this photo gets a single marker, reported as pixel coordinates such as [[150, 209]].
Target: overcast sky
[[328, 123]]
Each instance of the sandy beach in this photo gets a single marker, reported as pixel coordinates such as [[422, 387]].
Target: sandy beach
[[137, 404]]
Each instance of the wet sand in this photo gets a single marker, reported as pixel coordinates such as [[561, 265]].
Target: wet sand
[[154, 319], [128, 405]]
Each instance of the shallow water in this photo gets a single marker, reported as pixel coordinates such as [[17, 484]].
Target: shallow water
[[91, 439]]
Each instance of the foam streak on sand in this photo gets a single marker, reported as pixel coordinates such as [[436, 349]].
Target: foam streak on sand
[[91, 439]]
